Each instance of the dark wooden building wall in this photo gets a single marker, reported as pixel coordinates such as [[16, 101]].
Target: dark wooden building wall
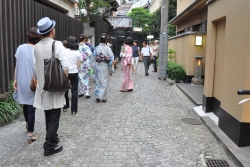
[[16, 18]]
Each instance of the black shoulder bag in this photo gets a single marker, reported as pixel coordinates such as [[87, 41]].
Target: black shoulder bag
[[55, 79]]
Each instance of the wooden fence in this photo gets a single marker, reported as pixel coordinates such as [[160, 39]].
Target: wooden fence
[[16, 18]]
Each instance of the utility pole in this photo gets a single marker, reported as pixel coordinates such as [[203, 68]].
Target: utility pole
[[163, 52]]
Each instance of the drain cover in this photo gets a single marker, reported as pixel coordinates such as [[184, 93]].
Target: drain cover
[[216, 163], [191, 121]]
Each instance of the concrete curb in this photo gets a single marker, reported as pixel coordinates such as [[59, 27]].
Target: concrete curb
[[188, 95], [237, 155]]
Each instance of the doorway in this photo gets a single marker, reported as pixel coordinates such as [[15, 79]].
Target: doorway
[[218, 63]]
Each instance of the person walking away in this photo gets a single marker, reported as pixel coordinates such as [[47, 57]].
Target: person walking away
[[146, 56], [51, 102], [104, 58], [135, 56], [127, 83], [155, 54], [74, 60], [24, 72], [84, 68]]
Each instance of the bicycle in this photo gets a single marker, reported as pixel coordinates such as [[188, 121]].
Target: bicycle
[[243, 92]]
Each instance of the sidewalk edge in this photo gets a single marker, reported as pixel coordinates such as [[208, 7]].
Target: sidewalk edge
[[188, 95], [234, 152]]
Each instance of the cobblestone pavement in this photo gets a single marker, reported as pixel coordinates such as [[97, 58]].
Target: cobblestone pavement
[[134, 129]]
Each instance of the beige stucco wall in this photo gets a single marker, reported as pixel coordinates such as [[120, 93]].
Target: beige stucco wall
[[182, 4], [155, 4], [185, 50], [236, 61]]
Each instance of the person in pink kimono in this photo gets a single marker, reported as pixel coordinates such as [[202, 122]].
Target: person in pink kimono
[[126, 55]]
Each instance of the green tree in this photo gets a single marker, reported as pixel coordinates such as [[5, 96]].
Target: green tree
[[95, 8], [141, 18], [171, 30], [172, 7], [156, 22]]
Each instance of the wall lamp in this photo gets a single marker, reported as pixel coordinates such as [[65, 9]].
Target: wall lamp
[[198, 40]]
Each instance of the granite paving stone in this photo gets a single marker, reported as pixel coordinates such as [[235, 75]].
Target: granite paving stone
[[138, 129]]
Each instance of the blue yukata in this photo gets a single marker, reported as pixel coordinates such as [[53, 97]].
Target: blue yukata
[[102, 71], [83, 86]]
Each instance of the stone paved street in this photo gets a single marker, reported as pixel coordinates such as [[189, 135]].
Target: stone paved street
[[135, 129]]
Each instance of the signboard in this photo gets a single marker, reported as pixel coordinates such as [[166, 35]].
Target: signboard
[[150, 36], [137, 29]]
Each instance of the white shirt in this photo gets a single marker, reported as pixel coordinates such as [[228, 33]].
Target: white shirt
[[146, 51], [73, 56]]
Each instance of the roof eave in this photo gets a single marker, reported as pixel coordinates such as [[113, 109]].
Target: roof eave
[[184, 12]]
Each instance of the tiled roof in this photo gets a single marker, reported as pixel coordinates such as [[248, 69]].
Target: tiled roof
[[120, 21], [140, 3]]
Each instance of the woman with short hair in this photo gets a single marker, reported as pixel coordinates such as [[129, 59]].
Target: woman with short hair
[[74, 60], [24, 71], [127, 83]]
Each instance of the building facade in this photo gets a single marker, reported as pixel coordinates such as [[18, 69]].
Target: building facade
[[190, 22], [224, 26], [154, 5]]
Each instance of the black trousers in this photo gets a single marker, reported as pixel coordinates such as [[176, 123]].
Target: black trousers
[[147, 62], [29, 116], [74, 91], [154, 63], [52, 118]]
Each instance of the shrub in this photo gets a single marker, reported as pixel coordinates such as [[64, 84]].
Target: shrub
[[9, 108], [175, 71], [171, 53]]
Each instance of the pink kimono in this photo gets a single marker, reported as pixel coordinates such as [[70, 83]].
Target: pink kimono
[[127, 83]]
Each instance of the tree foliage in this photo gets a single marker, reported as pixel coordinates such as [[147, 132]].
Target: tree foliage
[[94, 9], [141, 18], [172, 7]]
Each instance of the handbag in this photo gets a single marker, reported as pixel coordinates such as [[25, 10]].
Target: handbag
[[55, 79], [33, 83]]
